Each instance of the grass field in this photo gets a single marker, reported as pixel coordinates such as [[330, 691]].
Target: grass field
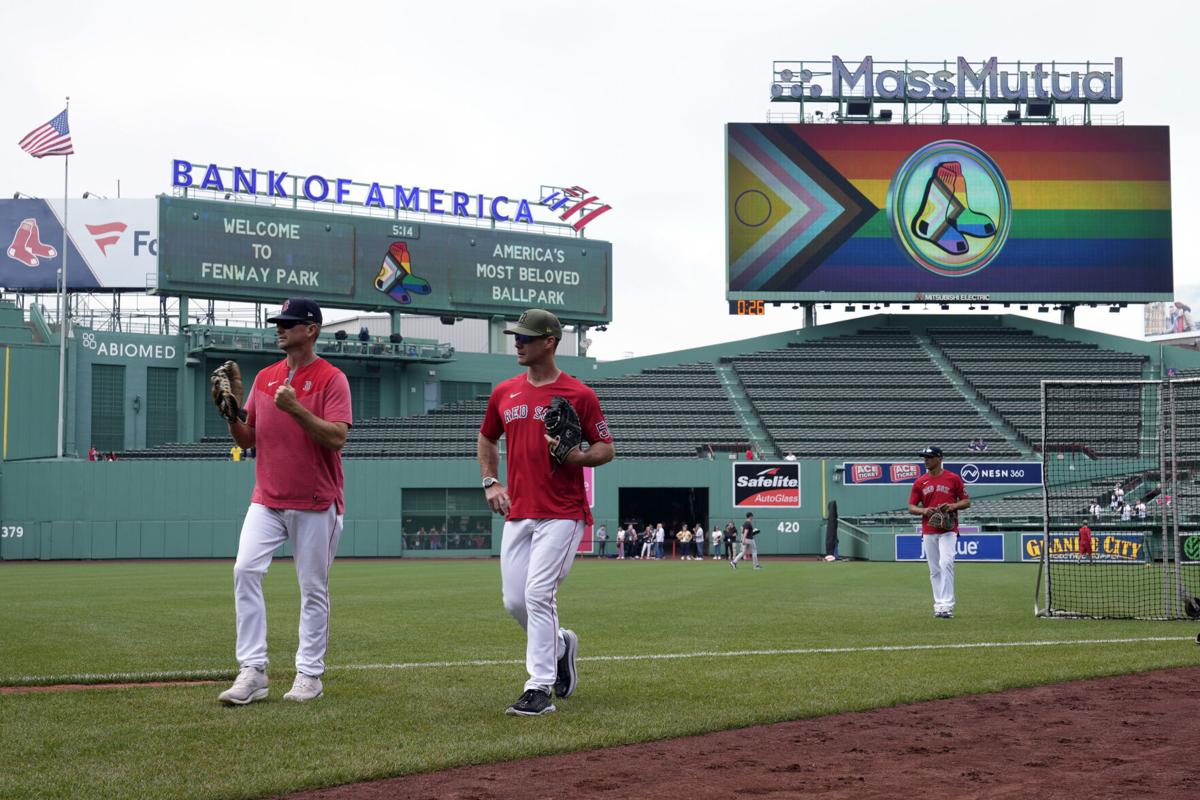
[[423, 660]]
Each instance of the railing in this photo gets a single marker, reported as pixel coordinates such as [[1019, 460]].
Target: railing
[[257, 340]]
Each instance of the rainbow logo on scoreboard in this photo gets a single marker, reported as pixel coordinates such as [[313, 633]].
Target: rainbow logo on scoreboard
[[889, 211]]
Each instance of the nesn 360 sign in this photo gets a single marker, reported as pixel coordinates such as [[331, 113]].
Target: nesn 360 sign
[[319, 189]]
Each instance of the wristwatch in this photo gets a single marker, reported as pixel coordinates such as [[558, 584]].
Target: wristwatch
[[490, 481]]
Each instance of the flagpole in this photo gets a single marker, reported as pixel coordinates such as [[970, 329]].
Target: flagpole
[[64, 313]]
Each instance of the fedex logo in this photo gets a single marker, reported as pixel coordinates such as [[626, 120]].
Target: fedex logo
[[905, 472], [866, 472]]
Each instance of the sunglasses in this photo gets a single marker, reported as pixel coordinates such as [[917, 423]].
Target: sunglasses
[[523, 339]]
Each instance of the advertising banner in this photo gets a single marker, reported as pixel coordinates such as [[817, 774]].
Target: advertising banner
[[973, 473], [971, 547], [948, 213], [1118, 548], [111, 244], [761, 484], [239, 251]]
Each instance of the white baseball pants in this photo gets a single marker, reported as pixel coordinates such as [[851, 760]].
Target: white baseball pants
[[749, 548], [535, 557], [939, 552], [314, 536]]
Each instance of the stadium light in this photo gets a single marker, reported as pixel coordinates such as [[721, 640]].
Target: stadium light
[[850, 309], [984, 308], [827, 306], [904, 307], [1024, 308], [945, 306], [1114, 309], [1043, 309]]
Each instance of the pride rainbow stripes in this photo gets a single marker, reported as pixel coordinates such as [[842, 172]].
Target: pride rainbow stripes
[[1091, 211]]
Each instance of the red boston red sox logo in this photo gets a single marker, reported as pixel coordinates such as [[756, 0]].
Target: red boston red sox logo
[[27, 246]]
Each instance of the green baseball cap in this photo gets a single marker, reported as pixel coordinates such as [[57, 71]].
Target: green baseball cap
[[537, 322]]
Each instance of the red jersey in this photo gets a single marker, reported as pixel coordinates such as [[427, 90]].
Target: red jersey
[[515, 411], [1085, 540], [291, 470], [929, 491]]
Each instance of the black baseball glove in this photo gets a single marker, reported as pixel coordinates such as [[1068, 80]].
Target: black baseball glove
[[227, 392], [562, 425]]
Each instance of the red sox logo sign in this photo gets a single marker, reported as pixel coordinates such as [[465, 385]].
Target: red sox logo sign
[[27, 246]]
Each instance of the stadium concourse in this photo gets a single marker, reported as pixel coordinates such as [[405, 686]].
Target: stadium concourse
[[873, 390]]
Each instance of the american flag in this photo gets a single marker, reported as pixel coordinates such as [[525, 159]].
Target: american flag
[[51, 139]]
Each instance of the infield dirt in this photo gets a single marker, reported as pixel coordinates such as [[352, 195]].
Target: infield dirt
[[1105, 738]]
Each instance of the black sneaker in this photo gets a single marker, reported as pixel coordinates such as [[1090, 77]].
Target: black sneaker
[[534, 702], [567, 677]]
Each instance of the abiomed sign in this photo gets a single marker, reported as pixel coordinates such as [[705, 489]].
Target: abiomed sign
[[957, 80]]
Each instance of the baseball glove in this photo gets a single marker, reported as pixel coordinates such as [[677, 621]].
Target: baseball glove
[[227, 392], [943, 520], [562, 424]]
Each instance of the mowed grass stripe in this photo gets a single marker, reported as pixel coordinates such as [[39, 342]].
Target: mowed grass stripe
[[185, 675]]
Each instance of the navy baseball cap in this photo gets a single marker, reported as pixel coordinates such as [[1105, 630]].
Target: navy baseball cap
[[932, 451], [298, 309]]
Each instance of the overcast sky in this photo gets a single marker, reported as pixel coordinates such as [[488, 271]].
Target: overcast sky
[[626, 98]]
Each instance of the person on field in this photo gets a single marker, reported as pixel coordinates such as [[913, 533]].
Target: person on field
[[939, 490]]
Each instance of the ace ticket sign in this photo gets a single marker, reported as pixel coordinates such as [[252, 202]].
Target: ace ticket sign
[[758, 484]]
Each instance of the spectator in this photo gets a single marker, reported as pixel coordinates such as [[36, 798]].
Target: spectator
[[435, 538], [647, 539], [93, 453], [749, 454], [790, 456], [660, 538], [621, 543], [251, 452], [684, 538], [698, 541], [1125, 513], [602, 538], [1141, 509], [730, 537], [235, 453], [364, 334], [716, 541]]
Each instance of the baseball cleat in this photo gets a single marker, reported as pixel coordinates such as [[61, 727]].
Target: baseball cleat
[[250, 685], [568, 679], [305, 688], [733, 564], [533, 703]]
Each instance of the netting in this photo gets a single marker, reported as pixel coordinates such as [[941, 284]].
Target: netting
[[1120, 463]]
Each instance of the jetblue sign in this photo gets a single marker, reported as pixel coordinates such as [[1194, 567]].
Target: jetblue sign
[[321, 189], [971, 547], [973, 473]]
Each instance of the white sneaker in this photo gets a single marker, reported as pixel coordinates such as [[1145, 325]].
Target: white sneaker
[[830, 558], [304, 688], [251, 685]]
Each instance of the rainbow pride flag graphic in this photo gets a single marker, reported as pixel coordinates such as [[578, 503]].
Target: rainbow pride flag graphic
[[895, 211]]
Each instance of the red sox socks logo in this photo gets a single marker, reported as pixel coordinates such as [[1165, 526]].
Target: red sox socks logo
[[27, 246]]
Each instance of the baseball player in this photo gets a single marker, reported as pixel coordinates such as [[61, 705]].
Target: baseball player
[[296, 416], [937, 497], [544, 503], [1085, 543], [749, 546]]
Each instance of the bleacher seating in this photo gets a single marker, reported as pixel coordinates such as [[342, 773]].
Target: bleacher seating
[[872, 394], [1005, 367]]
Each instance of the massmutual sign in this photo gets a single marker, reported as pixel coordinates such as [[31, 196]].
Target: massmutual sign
[[949, 80]]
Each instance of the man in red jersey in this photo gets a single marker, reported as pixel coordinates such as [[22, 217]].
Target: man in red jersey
[[939, 490], [544, 503], [1085, 542], [298, 412]]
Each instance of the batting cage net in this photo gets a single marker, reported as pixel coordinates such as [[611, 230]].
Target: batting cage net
[[1121, 521]]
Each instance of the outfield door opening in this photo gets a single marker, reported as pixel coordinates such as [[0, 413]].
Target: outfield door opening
[[671, 506]]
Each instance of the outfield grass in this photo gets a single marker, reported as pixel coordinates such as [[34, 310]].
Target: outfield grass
[[385, 714]]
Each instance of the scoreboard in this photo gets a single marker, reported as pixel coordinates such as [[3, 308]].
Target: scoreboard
[[237, 251]]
